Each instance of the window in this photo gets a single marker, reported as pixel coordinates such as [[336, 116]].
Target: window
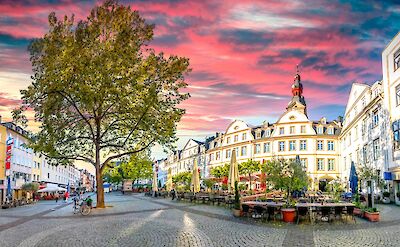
[[320, 145], [376, 149], [364, 126], [217, 155], [228, 153], [268, 133], [396, 134], [320, 130], [365, 154], [396, 60], [363, 102], [48, 175], [398, 95], [349, 139], [331, 131], [228, 140], [244, 151], [291, 129], [344, 162], [258, 135], [281, 146], [243, 136], [331, 146], [303, 145], [235, 138], [257, 149], [355, 132], [303, 163], [267, 147], [237, 151], [281, 131], [331, 164], [303, 129], [321, 165], [211, 156], [292, 145], [375, 118]]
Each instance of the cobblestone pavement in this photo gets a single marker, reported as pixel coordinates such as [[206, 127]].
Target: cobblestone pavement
[[135, 220]]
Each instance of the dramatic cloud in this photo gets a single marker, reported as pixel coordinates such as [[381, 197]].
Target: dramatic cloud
[[243, 54]]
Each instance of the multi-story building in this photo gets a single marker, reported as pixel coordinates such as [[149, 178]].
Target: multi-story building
[[365, 133], [162, 171], [3, 138], [87, 180], [391, 88], [315, 142], [21, 160]]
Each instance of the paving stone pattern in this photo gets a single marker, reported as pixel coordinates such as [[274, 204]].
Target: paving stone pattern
[[135, 220]]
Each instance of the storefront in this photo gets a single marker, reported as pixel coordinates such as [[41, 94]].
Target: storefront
[[395, 174]]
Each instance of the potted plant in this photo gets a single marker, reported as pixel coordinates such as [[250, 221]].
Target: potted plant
[[289, 176], [236, 206], [358, 211], [386, 197], [372, 214]]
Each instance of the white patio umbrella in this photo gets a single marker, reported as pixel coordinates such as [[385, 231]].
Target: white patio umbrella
[[52, 189], [195, 178], [233, 172], [155, 181]]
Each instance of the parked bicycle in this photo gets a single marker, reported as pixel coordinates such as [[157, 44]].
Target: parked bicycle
[[82, 206]]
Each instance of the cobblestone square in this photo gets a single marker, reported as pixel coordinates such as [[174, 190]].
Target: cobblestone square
[[136, 220]]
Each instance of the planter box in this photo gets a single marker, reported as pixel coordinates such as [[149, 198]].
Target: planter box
[[358, 212], [373, 217], [288, 214], [236, 212]]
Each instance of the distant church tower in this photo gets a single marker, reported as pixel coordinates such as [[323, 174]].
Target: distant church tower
[[297, 103]]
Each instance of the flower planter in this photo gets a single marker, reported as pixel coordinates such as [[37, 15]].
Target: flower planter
[[288, 214], [236, 212], [373, 217], [358, 212]]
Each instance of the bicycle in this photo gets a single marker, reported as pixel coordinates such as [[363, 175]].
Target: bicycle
[[81, 207]]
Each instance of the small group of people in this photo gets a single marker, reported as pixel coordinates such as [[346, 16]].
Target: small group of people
[[65, 196]]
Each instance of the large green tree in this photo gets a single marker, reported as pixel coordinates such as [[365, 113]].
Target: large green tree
[[99, 92]]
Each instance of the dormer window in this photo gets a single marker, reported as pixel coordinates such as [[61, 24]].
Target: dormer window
[[281, 131], [330, 131], [228, 140], [268, 133], [258, 134], [235, 138], [320, 130]]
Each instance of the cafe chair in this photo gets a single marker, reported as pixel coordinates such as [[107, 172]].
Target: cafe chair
[[302, 212]]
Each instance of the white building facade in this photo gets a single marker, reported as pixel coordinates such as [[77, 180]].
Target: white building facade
[[391, 87], [294, 134], [365, 135]]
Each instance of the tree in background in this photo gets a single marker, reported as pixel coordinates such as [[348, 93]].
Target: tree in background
[[220, 171], [249, 167], [183, 179], [139, 166], [287, 175], [99, 92]]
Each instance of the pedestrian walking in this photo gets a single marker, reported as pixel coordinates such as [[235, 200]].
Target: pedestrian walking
[[56, 196], [173, 193]]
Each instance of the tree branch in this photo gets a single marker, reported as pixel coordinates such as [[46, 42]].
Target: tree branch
[[126, 153]]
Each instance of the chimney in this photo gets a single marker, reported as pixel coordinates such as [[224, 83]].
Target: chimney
[[340, 119]]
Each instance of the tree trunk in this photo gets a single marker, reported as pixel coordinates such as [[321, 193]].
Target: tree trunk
[[100, 189], [250, 180], [99, 180]]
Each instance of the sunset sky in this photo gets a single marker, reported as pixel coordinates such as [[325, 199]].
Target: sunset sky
[[243, 54]]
